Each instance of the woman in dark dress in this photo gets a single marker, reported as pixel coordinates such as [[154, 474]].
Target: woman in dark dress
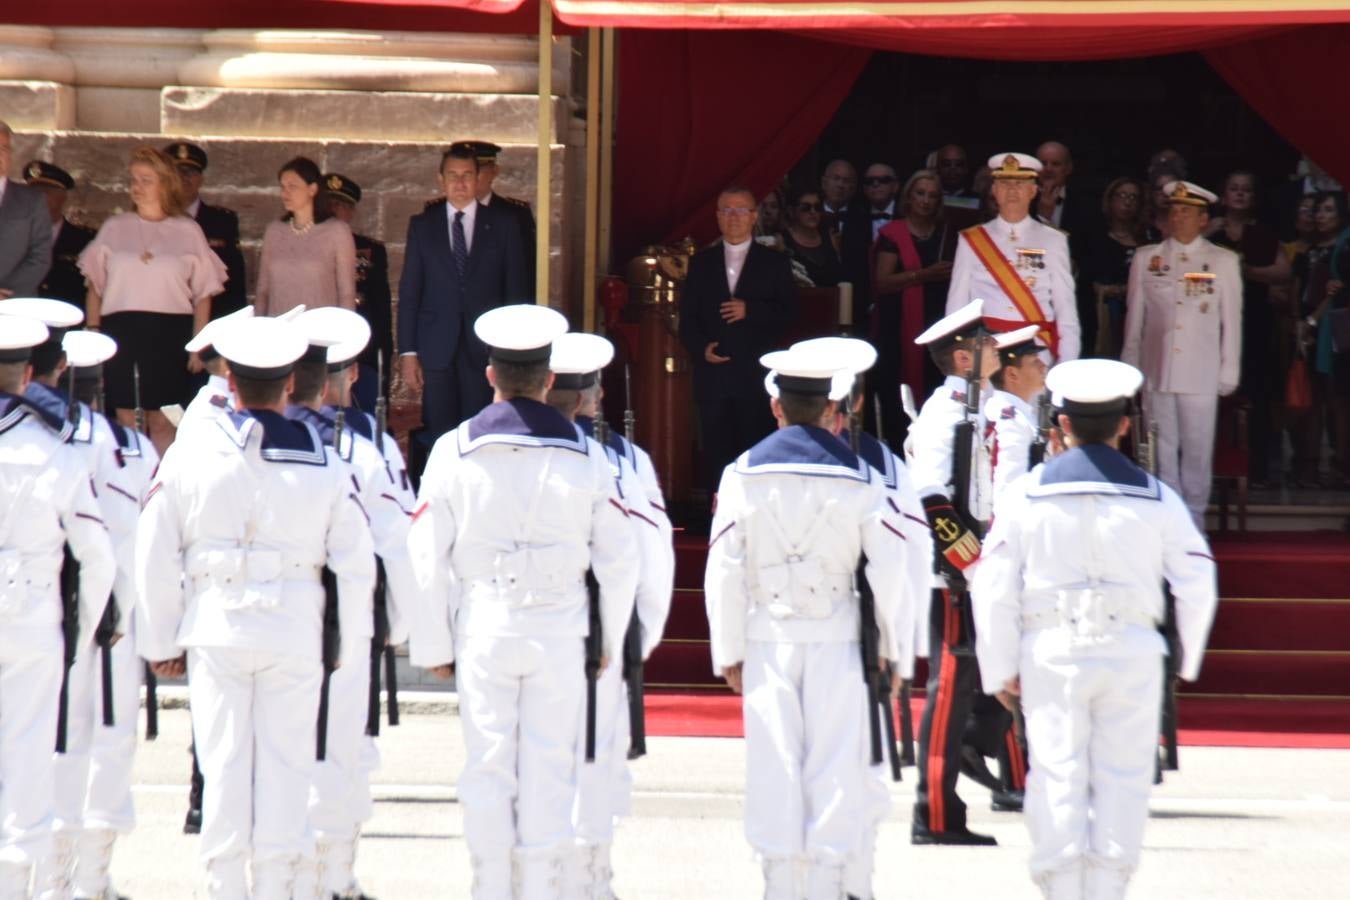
[[806, 242], [912, 267], [1263, 265], [1106, 266]]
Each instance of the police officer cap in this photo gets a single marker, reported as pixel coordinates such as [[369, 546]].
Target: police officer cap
[[338, 334], [43, 174], [87, 351], [520, 333], [1017, 343], [811, 371], [1093, 387], [185, 154], [18, 336], [960, 327], [342, 187], [486, 151], [1184, 193], [201, 342], [260, 348], [577, 359], [1014, 165]]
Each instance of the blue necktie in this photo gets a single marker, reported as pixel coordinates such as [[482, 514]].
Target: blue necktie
[[460, 247]]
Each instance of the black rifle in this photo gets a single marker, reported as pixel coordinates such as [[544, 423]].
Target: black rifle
[[1172, 661], [963, 459], [332, 635], [103, 639], [151, 679], [880, 714], [1044, 414], [377, 647], [632, 639], [595, 647], [906, 711], [70, 597]]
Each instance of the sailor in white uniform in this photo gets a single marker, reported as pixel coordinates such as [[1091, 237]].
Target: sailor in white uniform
[[241, 521], [1068, 596], [1020, 267], [515, 505], [48, 503], [215, 396], [1183, 329], [340, 800], [1011, 408], [604, 786], [795, 515], [918, 564]]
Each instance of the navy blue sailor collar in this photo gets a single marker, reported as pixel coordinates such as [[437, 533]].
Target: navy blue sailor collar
[[13, 409], [803, 450], [617, 442], [324, 422], [128, 439], [1094, 469], [283, 439], [877, 455], [52, 406], [520, 422]]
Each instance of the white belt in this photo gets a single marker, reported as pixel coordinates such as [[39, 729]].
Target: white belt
[[1090, 612], [1053, 618]]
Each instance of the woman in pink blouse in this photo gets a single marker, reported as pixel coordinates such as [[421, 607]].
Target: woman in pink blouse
[[151, 276], [308, 257]]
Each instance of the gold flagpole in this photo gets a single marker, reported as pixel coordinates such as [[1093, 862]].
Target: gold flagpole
[[544, 163], [590, 278]]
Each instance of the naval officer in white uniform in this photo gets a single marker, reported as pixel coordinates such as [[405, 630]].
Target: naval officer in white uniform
[[1068, 595], [1014, 254], [1183, 329]]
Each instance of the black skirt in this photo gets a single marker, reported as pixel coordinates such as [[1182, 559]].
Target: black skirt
[[154, 342]]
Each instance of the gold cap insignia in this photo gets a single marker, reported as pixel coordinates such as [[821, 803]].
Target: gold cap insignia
[[183, 151], [1180, 192], [334, 182], [1010, 164], [34, 170]]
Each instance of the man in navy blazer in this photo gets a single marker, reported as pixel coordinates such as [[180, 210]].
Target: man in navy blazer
[[25, 230], [737, 299], [462, 259]]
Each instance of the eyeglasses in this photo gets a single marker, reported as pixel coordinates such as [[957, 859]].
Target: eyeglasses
[[1127, 196], [738, 212], [874, 180], [809, 207]]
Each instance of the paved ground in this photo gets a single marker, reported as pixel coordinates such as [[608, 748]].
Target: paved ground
[[1235, 824]]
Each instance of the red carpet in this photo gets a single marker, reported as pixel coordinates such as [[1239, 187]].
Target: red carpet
[[1204, 722]]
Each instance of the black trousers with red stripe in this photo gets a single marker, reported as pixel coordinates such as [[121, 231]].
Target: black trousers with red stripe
[[990, 731], [953, 683]]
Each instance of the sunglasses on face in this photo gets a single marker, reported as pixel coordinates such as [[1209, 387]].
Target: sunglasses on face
[[874, 180], [809, 207]]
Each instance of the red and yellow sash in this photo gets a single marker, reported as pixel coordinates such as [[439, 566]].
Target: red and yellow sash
[[1006, 277]]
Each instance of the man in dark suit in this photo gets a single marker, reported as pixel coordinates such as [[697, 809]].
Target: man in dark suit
[[25, 230], [462, 259], [1079, 215], [64, 280], [220, 225], [519, 209], [737, 299], [372, 292], [880, 185]]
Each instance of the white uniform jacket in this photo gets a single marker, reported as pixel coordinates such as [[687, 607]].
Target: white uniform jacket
[[1089, 536], [1183, 320], [1013, 423], [243, 516], [1040, 255], [932, 437], [795, 513], [121, 498], [647, 508], [213, 399], [515, 505], [47, 502]]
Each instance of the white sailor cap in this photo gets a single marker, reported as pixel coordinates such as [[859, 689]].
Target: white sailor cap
[[577, 359], [57, 315], [812, 371], [261, 348], [520, 333], [1014, 165], [18, 336], [201, 342], [87, 351], [1016, 343], [342, 334], [959, 327], [859, 355], [1184, 193], [1093, 387]]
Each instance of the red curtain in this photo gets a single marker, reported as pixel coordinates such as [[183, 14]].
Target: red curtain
[[1296, 80], [699, 110]]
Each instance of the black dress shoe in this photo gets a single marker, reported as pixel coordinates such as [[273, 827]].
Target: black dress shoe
[[193, 823], [1006, 801], [960, 837], [976, 769]]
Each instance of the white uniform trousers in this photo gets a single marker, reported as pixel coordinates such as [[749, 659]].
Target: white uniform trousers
[[30, 684], [1092, 728], [254, 716], [604, 787], [339, 800], [1186, 445], [807, 801], [860, 866], [522, 706]]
